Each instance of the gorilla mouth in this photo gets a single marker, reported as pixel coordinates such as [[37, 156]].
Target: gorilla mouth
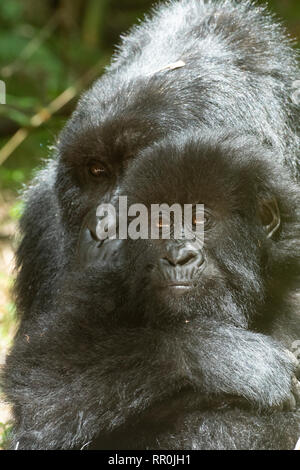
[[178, 284], [177, 287]]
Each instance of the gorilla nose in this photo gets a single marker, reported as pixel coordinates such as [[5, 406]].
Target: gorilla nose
[[179, 257]]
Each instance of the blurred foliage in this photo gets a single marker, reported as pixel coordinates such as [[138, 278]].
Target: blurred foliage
[[45, 46], [9, 318], [16, 210], [5, 430]]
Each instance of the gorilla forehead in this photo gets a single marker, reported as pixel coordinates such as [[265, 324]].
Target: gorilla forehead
[[126, 118], [222, 169]]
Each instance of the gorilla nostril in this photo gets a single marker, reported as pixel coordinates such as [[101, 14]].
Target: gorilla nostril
[[167, 260], [186, 257], [179, 258]]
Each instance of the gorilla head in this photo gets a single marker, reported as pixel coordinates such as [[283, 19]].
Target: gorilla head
[[250, 216]]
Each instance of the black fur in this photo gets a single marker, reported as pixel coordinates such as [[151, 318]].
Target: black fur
[[99, 356]]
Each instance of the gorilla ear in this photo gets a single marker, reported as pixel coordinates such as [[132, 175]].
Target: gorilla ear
[[270, 216]]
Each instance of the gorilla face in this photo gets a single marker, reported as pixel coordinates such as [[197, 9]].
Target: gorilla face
[[176, 280]]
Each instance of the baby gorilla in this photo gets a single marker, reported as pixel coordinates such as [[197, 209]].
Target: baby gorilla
[[174, 344]]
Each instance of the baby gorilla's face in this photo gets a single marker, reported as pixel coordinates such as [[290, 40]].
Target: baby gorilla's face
[[176, 281], [214, 272]]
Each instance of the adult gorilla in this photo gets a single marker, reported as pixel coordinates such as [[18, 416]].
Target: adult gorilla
[[97, 356]]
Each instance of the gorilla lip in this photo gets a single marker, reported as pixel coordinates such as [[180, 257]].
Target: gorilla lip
[[178, 285]]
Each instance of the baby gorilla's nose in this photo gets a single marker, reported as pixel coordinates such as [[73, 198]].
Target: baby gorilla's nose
[[179, 263], [179, 256]]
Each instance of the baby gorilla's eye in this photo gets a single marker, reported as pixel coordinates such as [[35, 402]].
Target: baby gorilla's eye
[[207, 220], [97, 169], [202, 219]]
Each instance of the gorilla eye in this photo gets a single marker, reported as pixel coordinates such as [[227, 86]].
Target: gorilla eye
[[202, 219], [97, 169]]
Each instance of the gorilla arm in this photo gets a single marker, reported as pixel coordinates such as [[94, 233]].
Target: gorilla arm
[[81, 386], [251, 365]]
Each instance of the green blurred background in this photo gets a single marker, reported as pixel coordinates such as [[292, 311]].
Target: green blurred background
[[49, 51]]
